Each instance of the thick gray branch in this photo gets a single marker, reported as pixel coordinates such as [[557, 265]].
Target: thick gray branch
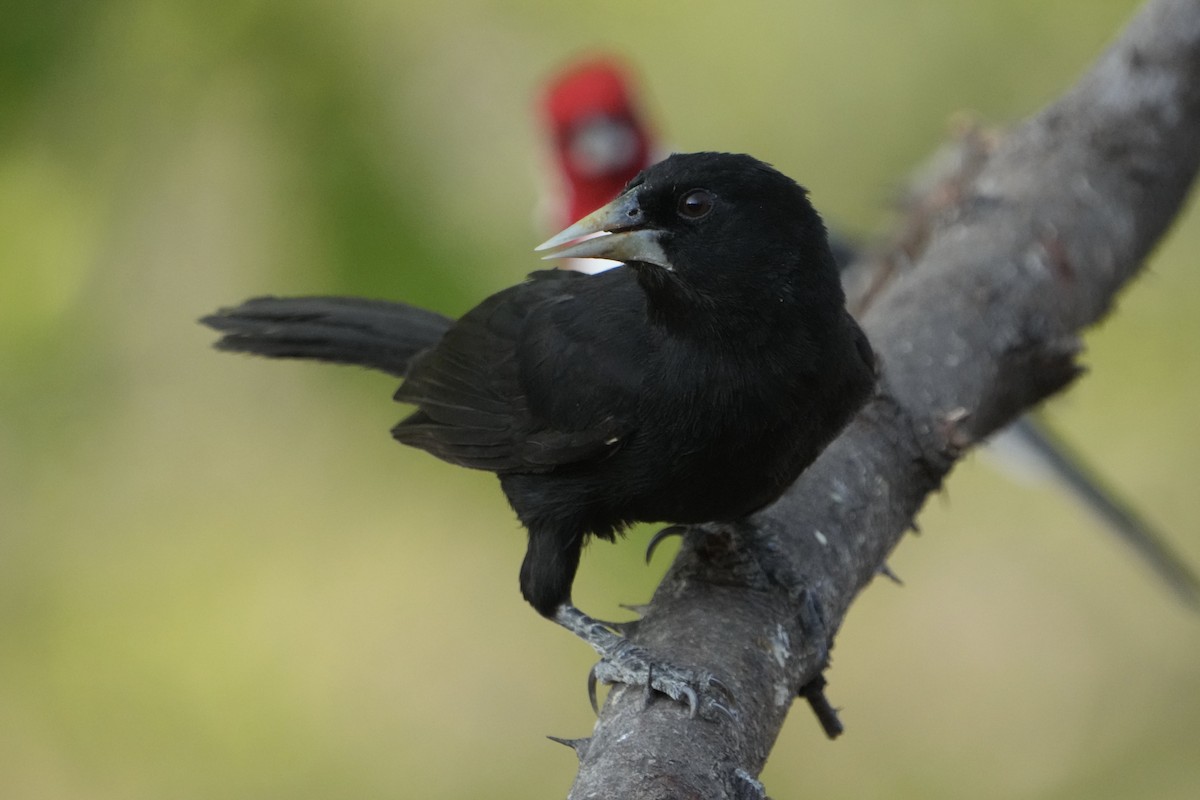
[[983, 325]]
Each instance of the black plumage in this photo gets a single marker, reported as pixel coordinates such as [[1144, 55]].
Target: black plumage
[[693, 384]]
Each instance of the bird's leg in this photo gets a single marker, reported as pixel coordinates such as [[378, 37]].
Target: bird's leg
[[596, 633], [623, 661], [546, 576]]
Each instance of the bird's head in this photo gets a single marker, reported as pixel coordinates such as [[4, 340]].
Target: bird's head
[[716, 227]]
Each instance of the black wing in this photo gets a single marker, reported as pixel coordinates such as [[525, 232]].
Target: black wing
[[538, 376]]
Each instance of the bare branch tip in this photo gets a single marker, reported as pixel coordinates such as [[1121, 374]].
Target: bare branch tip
[[827, 715]]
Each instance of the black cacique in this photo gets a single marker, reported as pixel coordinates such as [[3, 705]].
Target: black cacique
[[693, 384]]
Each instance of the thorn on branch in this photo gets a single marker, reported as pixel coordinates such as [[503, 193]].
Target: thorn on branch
[[580, 746], [886, 571]]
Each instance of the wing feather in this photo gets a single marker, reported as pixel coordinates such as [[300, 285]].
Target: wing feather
[[539, 376]]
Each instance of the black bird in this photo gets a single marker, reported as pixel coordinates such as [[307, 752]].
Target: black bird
[[692, 384]]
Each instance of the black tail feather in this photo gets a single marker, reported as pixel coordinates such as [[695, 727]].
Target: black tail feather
[[377, 334]]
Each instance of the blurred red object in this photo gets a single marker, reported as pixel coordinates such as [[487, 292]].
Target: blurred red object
[[599, 134]]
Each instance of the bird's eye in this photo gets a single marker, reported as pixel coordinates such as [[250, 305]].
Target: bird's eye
[[695, 204]]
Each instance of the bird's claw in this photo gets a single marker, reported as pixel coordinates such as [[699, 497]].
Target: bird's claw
[[704, 694], [592, 690], [659, 536], [726, 712]]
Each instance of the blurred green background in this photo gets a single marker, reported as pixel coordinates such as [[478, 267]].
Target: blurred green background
[[219, 577]]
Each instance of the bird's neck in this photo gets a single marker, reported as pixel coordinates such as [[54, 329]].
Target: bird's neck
[[735, 312]]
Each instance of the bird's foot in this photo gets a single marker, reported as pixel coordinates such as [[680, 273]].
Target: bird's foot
[[622, 661], [703, 693]]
